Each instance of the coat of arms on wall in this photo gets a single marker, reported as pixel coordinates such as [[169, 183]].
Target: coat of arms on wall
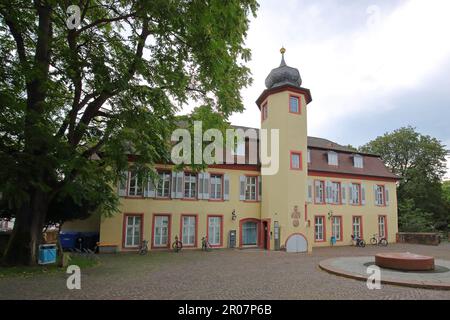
[[295, 215]]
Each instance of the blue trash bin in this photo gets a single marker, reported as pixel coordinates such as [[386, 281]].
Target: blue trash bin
[[47, 254], [68, 240]]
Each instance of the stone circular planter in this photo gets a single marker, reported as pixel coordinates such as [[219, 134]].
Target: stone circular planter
[[405, 261]]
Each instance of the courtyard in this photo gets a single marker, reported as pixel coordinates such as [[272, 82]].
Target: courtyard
[[220, 274]]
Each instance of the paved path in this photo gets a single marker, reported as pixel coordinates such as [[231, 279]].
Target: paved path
[[221, 274]]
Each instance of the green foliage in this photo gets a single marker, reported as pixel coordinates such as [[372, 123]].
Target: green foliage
[[413, 219], [420, 162], [75, 103]]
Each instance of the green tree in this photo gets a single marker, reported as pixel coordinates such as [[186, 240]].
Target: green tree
[[420, 162], [75, 102]]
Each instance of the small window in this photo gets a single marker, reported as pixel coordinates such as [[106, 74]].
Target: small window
[[358, 161], [250, 188], [190, 185], [332, 158], [216, 187], [264, 112], [379, 195], [319, 191], [296, 160], [336, 192], [355, 193], [294, 105]]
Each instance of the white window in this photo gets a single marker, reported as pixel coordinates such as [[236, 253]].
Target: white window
[[132, 231], [250, 188], [332, 158], [319, 191], [296, 159], [336, 228], [294, 105], [161, 231], [379, 195], [214, 230], [190, 185], [188, 230], [135, 186], [163, 190], [355, 189], [216, 186], [318, 228], [335, 192], [382, 226], [358, 161], [357, 226], [309, 156]]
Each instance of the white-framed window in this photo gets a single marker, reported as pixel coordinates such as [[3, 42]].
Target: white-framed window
[[163, 189], [382, 226], [319, 187], [188, 230], [309, 156], [358, 161], [336, 228], [161, 231], [356, 223], [190, 185], [133, 230], [379, 195], [216, 186], [336, 192], [332, 158], [214, 230], [319, 228], [250, 188], [264, 111], [135, 186], [294, 104], [296, 160], [355, 189]]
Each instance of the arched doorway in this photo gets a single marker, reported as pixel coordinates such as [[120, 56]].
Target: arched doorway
[[296, 242]]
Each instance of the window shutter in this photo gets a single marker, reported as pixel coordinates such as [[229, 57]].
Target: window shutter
[[206, 185], [363, 194], [200, 186], [174, 185], [242, 188], [386, 191], [350, 193], [343, 193], [259, 187], [226, 187], [123, 183], [180, 176], [310, 191]]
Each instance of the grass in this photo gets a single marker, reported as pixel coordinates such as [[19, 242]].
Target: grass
[[26, 271]]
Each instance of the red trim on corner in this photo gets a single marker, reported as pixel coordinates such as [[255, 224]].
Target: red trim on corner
[[195, 231], [221, 229], [124, 227], [169, 229]]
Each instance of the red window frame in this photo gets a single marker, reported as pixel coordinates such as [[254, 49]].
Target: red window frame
[[195, 231], [341, 228], [169, 230], [385, 225], [299, 153], [360, 226], [324, 231], [124, 230], [221, 229], [299, 104]]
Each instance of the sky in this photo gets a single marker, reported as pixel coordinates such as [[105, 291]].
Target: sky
[[372, 66]]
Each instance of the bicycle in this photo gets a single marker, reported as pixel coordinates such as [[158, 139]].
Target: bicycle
[[205, 244], [177, 245], [358, 241], [143, 249], [379, 241]]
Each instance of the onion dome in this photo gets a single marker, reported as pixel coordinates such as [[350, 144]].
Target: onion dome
[[283, 75]]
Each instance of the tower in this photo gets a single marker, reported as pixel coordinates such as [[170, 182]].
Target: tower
[[283, 107]]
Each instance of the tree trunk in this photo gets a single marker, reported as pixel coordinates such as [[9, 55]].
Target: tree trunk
[[22, 248]]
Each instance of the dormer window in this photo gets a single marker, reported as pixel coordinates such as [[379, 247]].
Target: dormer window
[[332, 158], [358, 161]]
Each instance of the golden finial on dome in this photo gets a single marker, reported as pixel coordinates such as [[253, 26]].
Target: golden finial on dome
[[282, 50]]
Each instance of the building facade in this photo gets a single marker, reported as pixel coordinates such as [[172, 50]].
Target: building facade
[[321, 195]]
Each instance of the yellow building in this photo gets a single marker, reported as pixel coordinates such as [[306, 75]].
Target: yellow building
[[321, 195]]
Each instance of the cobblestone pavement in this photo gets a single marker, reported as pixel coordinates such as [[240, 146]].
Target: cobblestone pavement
[[221, 274]]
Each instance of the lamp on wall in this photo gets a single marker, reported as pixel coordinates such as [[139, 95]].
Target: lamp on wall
[[233, 215]]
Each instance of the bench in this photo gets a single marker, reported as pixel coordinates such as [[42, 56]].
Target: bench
[[105, 247]]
